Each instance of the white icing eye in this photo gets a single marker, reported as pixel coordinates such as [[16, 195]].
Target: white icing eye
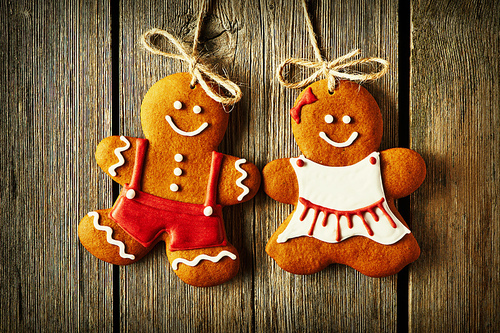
[[197, 109], [329, 119], [178, 157], [178, 105], [346, 119], [174, 187]]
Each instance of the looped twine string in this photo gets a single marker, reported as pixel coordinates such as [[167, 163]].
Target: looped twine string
[[340, 68], [197, 69]]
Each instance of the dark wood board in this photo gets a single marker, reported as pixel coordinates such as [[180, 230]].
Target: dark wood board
[[73, 73], [55, 95], [260, 131], [455, 120]]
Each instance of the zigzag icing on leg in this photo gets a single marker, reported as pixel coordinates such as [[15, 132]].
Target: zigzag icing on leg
[[201, 257], [110, 240]]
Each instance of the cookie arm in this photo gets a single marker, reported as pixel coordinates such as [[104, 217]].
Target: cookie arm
[[116, 156], [280, 181], [239, 181], [403, 171]]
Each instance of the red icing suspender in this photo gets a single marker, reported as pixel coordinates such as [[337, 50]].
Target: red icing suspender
[[191, 226], [140, 152], [348, 214], [213, 180]]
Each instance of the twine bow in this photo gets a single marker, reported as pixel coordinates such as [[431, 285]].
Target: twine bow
[[340, 68], [198, 70]]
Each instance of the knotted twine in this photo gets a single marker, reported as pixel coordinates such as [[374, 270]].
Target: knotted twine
[[197, 69], [340, 68]]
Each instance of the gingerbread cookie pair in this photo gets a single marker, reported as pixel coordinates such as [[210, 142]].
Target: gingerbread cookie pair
[[175, 184]]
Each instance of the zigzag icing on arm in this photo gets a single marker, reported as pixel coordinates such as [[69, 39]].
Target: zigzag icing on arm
[[196, 261], [109, 239], [118, 153], [239, 181]]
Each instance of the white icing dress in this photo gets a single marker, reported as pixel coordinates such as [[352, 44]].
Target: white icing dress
[[336, 203]]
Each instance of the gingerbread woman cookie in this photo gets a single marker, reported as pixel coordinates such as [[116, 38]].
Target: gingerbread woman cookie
[[175, 184], [342, 188]]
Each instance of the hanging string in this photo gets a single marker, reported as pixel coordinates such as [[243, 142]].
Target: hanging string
[[197, 69], [340, 68]]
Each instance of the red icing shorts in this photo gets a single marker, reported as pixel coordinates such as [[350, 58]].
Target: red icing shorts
[[145, 216]]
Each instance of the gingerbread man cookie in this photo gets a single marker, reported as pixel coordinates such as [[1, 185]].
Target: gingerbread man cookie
[[342, 188], [175, 184]]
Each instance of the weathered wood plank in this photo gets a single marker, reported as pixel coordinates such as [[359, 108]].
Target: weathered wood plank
[[338, 298], [455, 117], [153, 298], [55, 96]]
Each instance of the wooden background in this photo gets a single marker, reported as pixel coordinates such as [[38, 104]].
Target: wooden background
[[72, 73]]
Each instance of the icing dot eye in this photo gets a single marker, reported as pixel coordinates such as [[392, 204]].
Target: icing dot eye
[[346, 119], [197, 109], [178, 105], [329, 119]]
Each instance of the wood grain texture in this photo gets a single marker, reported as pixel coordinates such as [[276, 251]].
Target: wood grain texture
[[338, 298], [152, 297], [455, 118], [56, 95], [55, 99]]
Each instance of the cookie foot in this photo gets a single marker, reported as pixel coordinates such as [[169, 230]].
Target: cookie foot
[[205, 267], [106, 240], [307, 255]]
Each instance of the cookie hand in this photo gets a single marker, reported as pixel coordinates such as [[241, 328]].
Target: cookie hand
[[116, 156], [280, 182], [239, 181], [403, 171]]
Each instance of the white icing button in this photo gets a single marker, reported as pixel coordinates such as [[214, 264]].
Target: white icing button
[[178, 105], [130, 194], [208, 211], [346, 119], [177, 171], [329, 118], [178, 157], [174, 187], [197, 109]]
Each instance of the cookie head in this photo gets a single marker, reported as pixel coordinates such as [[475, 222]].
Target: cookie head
[[336, 129], [174, 113]]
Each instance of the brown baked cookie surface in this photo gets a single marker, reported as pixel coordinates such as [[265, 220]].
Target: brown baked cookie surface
[[342, 187], [175, 185]]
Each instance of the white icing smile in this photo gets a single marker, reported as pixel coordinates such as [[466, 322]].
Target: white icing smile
[[183, 133], [347, 143]]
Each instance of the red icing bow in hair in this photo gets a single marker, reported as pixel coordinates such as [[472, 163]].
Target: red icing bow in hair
[[307, 98]]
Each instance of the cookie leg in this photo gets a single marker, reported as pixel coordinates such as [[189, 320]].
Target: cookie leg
[[205, 267], [297, 255], [106, 240], [305, 255], [377, 260]]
